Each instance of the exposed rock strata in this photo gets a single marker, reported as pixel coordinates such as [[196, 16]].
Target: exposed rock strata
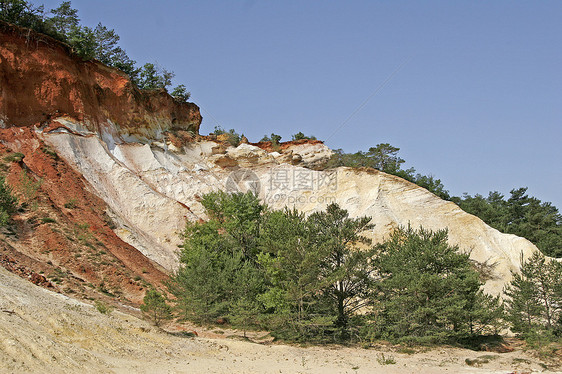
[[40, 79]]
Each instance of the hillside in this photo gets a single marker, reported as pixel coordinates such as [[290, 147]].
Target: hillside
[[109, 174], [140, 153]]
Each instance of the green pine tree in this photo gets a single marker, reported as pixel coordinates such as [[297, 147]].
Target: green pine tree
[[155, 308]]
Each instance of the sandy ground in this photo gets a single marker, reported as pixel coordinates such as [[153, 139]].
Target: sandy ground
[[41, 331]]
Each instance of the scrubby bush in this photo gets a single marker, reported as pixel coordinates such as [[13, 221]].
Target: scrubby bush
[[232, 136], [8, 202], [300, 136], [155, 307]]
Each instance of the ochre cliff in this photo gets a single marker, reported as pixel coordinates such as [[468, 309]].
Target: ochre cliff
[[41, 79], [149, 179]]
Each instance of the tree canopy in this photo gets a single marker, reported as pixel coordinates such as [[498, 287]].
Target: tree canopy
[[318, 278]]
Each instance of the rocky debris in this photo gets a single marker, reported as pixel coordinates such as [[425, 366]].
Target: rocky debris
[[12, 266], [64, 238]]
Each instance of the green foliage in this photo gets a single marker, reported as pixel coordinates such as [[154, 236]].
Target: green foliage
[[524, 216], [14, 157], [8, 202], [273, 138], [521, 215], [384, 157], [345, 268], [385, 360], [293, 276], [317, 279], [180, 93], [102, 307], [300, 136], [534, 304], [233, 137], [152, 77], [100, 43], [71, 203], [29, 188], [226, 247], [428, 291], [155, 308], [65, 18], [49, 152], [24, 14], [83, 42]]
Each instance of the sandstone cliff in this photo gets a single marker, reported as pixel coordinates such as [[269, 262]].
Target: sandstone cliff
[[139, 152]]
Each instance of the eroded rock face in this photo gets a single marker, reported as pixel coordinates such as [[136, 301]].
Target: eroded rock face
[[155, 188], [140, 153], [40, 79]]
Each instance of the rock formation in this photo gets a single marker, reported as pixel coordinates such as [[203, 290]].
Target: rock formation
[[41, 79], [141, 154]]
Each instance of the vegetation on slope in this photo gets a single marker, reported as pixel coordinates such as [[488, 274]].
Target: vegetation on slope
[[521, 215], [8, 202], [98, 43], [317, 279]]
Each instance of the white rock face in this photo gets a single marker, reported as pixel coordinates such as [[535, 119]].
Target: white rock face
[[153, 188]]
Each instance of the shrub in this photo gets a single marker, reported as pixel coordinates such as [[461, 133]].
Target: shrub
[[301, 136], [71, 204], [14, 157], [232, 136], [102, 307], [8, 202], [155, 308]]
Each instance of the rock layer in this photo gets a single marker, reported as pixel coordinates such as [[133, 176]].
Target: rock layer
[[40, 78]]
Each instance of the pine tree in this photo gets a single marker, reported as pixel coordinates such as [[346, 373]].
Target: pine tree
[[535, 296], [155, 308], [427, 289]]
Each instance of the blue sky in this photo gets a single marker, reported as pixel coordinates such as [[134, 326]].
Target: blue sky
[[477, 101]]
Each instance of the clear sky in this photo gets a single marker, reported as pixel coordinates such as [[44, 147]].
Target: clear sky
[[471, 90]]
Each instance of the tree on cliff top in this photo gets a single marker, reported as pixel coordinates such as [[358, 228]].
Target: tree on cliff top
[[100, 43], [65, 18]]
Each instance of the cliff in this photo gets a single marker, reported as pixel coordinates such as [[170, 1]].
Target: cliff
[[40, 79], [149, 179]]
